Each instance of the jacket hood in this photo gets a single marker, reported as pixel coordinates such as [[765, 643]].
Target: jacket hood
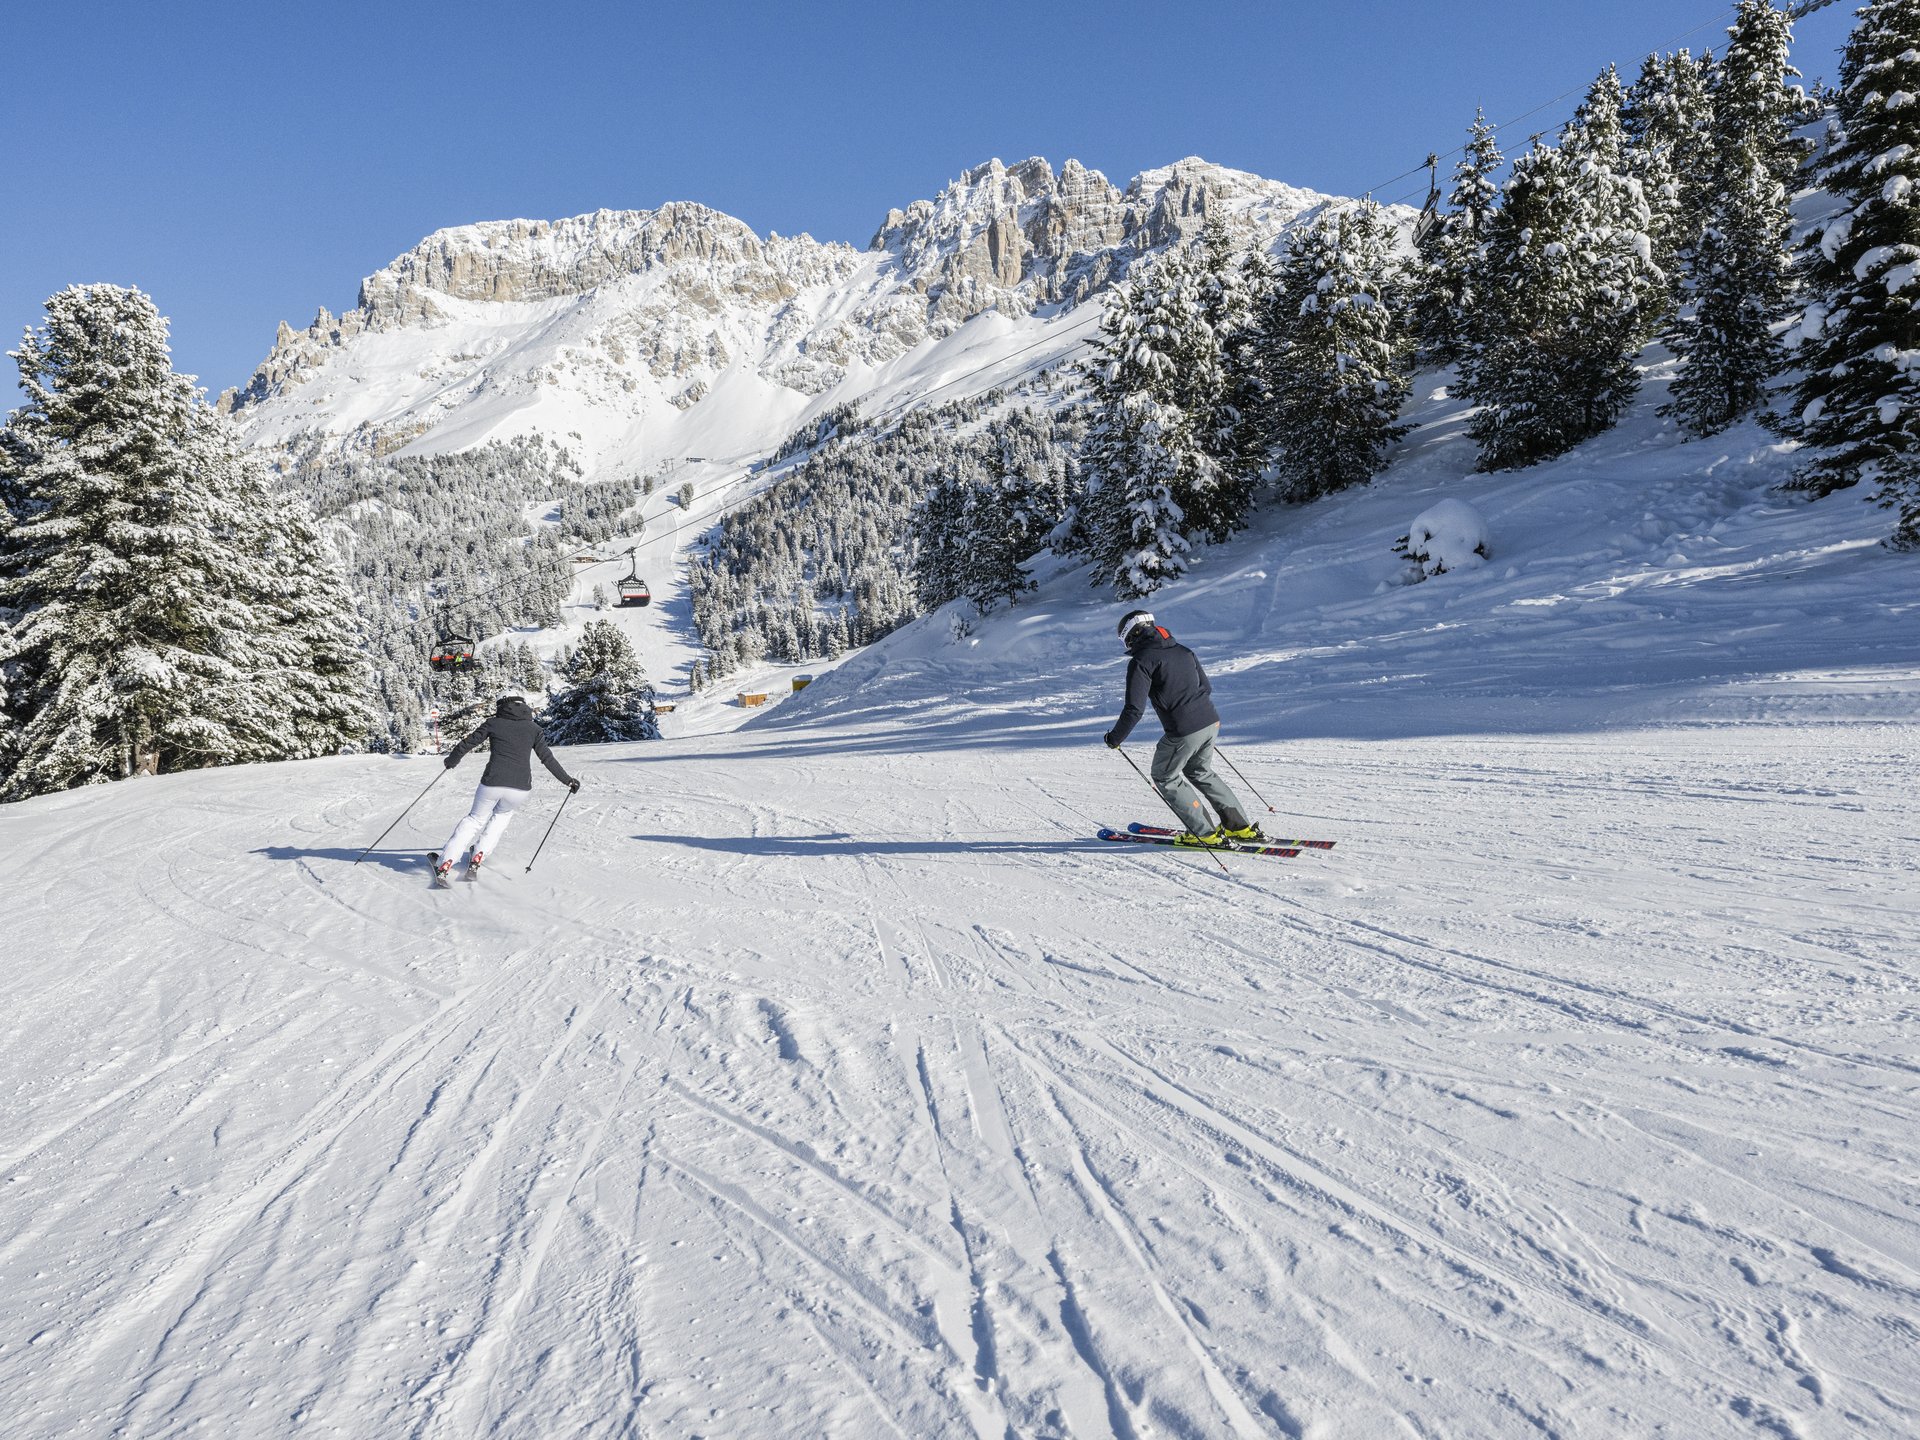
[[1148, 635], [513, 707]]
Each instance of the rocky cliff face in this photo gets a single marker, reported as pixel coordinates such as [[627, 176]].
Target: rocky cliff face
[[1002, 238], [627, 309]]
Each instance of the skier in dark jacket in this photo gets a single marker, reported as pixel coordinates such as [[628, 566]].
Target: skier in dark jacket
[[1168, 675], [507, 782]]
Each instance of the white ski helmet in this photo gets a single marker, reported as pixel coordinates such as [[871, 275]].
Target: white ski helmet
[[1132, 621]]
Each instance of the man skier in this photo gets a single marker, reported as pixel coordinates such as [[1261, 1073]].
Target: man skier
[[505, 785], [1169, 675]]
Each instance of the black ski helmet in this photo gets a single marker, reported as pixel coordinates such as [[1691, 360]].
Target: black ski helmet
[[1132, 621]]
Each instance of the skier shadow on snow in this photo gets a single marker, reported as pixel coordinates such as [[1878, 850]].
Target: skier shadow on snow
[[405, 862], [844, 844]]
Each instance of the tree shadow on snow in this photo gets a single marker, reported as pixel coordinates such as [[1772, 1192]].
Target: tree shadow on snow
[[400, 861], [843, 844]]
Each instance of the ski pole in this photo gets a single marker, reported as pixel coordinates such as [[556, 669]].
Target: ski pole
[[403, 815], [550, 824], [1243, 779], [1169, 804]]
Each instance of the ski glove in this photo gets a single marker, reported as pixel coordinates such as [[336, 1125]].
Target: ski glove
[[452, 760], [1112, 744], [573, 787]]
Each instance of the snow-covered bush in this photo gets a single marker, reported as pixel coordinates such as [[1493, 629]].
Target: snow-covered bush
[[1448, 536]]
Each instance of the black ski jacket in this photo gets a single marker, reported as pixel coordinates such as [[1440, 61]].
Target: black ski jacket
[[516, 738], [1168, 674]]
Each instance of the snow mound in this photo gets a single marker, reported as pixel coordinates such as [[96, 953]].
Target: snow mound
[[1451, 535]]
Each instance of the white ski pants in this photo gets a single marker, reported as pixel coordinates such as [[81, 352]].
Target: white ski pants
[[482, 826]]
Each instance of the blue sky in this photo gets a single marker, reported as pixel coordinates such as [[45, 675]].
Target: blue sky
[[245, 164]]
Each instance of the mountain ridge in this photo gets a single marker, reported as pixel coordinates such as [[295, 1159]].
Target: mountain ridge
[[607, 328]]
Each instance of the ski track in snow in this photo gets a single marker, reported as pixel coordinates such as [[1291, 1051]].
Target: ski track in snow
[[828, 1077], [780, 1120]]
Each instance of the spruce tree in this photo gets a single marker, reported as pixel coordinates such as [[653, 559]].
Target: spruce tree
[[308, 676], [1741, 278], [1005, 526], [1337, 358], [1229, 399], [1141, 448], [1857, 403], [1667, 121], [15, 456], [1445, 302], [136, 589], [1183, 299], [939, 541], [605, 696], [1567, 276]]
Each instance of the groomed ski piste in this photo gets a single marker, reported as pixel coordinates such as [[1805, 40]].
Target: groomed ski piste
[[827, 1076]]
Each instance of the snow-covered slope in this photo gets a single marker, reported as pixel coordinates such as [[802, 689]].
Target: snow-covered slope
[[638, 336], [826, 1078], [1637, 580]]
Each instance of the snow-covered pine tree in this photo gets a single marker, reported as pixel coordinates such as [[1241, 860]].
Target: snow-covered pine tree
[[1567, 276], [1154, 477], [14, 457], [466, 696], [1337, 358], [14, 461], [307, 673], [1445, 300], [1667, 122], [1228, 399], [533, 671], [1740, 281], [1857, 402], [940, 539], [133, 584], [1004, 527], [605, 697], [1141, 447]]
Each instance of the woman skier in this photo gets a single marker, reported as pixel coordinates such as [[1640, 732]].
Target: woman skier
[[504, 787], [1167, 674]]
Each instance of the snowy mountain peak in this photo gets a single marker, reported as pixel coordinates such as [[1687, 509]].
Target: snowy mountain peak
[[607, 330]]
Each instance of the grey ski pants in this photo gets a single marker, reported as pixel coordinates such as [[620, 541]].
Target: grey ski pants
[[1183, 772]]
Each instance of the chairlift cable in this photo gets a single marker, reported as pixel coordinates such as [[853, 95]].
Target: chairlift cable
[[1794, 12]]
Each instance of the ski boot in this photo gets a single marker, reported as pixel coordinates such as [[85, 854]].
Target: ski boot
[[1245, 835], [473, 868], [442, 870], [1214, 839]]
